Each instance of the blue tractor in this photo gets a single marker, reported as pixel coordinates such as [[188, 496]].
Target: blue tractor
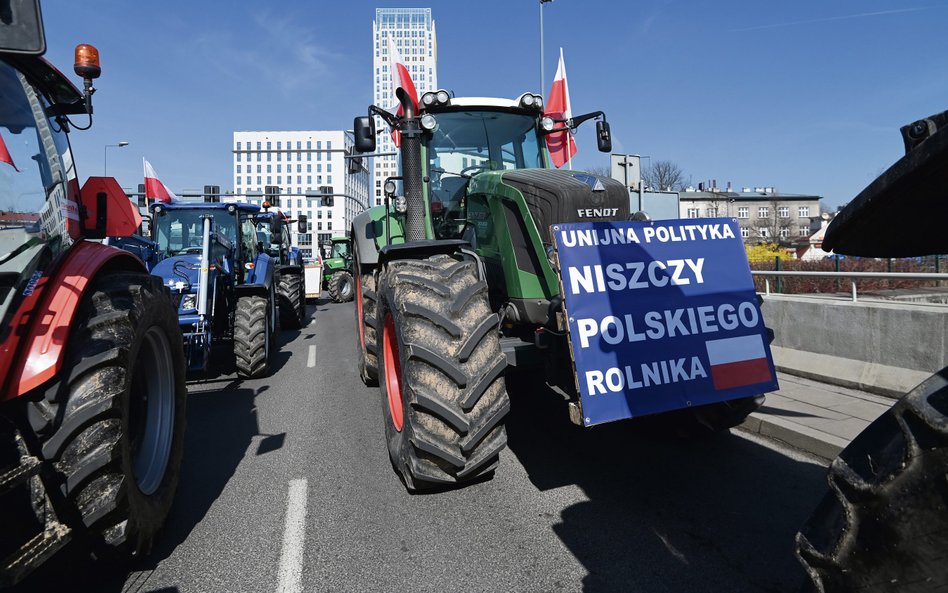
[[274, 238], [222, 278]]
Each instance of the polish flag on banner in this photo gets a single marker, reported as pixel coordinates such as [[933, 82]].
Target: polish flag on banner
[[154, 188], [561, 144], [400, 79], [5, 155], [736, 362]]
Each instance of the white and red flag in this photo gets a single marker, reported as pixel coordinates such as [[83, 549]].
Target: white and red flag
[[736, 362], [561, 144], [5, 155], [154, 188], [400, 79]]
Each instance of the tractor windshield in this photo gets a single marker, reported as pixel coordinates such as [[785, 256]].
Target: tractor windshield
[[182, 231], [36, 172], [468, 142]]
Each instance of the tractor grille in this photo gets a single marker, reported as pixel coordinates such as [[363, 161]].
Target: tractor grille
[[568, 196]]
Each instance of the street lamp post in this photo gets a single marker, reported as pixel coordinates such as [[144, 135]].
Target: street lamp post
[[105, 156], [542, 80]]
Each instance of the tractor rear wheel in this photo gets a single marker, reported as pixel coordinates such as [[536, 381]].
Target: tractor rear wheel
[[441, 372], [292, 301], [341, 287], [113, 424], [883, 526], [252, 336], [365, 312]]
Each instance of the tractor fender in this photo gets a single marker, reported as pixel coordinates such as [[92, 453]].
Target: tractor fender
[[262, 271], [419, 250], [291, 270], [363, 237], [42, 325]]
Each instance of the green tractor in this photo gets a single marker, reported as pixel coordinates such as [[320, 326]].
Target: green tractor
[[457, 277], [337, 270]]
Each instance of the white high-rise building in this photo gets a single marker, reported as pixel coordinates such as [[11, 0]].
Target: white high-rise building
[[413, 31], [297, 163]]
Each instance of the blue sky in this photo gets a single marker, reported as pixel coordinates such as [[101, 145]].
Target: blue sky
[[806, 96]]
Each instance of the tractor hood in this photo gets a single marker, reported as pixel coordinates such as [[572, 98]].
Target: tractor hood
[[568, 196], [176, 268]]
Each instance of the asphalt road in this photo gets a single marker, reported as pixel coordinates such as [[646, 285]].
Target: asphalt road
[[287, 486]]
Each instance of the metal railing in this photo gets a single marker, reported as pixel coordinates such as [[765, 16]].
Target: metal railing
[[853, 275]]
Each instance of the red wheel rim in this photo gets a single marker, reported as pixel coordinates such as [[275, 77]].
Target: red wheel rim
[[393, 372]]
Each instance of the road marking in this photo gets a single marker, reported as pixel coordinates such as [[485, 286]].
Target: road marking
[[290, 574], [311, 360]]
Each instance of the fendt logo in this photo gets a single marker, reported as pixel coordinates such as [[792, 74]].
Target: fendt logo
[[596, 212]]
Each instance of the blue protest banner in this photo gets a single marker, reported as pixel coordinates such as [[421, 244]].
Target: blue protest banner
[[663, 315]]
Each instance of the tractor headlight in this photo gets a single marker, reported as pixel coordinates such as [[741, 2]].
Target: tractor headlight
[[547, 124], [531, 101], [401, 204], [429, 122], [231, 208], [189, 301], [389, 187], [428, 99], [442, 97]]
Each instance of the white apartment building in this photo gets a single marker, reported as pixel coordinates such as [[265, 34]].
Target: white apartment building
[[413, 30], [299, 162]]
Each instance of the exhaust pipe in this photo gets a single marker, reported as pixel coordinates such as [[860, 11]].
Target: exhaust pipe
[[205, 268], [410, 130]]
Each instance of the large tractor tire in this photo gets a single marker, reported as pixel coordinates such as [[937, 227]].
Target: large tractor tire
[[883, 526], [113, 423], [341, 287], [441, 372], [253, 326], [292, 301], [365, 312]]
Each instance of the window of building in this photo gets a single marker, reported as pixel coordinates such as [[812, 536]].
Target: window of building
[[804, 231], [743, 212], [745, 233], [784, 232], [238, 157], [804, 211], [783, 212], [764, 232], [238, 168], [238, 146], [692, 213], [763, 212], [268, 146], [711, 211]]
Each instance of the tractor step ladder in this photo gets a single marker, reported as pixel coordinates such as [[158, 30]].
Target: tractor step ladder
[[41, 546]]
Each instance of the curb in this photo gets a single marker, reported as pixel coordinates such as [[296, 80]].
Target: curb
[[815, 442]]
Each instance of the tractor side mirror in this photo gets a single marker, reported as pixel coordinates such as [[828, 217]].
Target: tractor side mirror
[[603, 136], [276, 231], [364, 130], [301, 224]]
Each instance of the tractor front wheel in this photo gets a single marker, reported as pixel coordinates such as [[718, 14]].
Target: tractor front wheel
[[113, 425], [292, 301], [365, 312], [883, 525], [341, 287], [252, 336], [441, 372]]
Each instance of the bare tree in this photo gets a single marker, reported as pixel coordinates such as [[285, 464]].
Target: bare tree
[[600, 171], [664, 176], [774, 223]]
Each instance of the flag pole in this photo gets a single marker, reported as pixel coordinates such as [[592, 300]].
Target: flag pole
[[569, 133]]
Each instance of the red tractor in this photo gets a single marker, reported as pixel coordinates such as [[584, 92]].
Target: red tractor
[[92, 391]]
